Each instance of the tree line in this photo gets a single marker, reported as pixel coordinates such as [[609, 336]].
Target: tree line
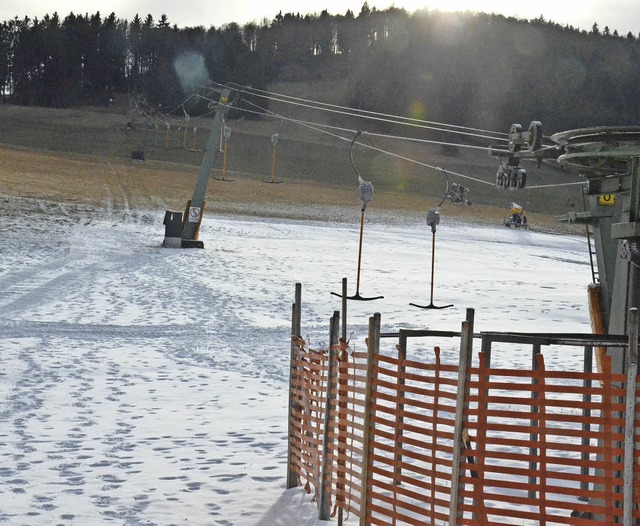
[[471, 69]]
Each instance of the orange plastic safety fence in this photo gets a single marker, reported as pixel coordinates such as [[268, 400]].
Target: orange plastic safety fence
[[532, 462], [412, 441], [308, 386], [543, 446]]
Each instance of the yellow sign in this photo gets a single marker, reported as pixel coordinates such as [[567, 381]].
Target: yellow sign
[[607, 200]]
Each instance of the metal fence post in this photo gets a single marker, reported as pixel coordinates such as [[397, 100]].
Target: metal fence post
[[344, 308], [462, 402], [373, 349], [329, 411], [296, 317], [586, 414], [534, 437], [402, 367], [630, 415]]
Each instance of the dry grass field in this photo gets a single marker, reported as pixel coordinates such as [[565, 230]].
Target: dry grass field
[[82, 157]]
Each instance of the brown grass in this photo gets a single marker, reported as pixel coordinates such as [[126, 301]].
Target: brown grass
[[83, 156], [94, 181]]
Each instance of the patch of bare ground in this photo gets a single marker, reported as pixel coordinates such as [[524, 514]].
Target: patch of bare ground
[[112, 183]]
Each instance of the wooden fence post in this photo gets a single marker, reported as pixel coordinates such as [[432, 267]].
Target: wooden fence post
[[296, 317], [630, 415], [373, 349], [327, 458], [462, 402]]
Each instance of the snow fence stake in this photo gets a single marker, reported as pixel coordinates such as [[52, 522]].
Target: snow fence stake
[[344, 309], [629, 424], [373, 349], [296, 317], [401, 347], [327, 459], [462, 406]]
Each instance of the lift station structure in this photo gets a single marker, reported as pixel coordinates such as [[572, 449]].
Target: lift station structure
[[609, 160]]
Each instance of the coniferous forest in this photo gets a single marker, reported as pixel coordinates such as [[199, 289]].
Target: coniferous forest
[[460, 68]]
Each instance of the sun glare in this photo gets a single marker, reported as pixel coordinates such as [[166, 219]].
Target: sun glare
[[487, 6], [548, 8], [447, 5]]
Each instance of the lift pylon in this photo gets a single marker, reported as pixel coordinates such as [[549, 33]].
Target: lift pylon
[[192, 217]]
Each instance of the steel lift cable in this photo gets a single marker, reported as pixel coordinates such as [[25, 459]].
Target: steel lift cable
[[381, 119], [320, 128], [398, 119]]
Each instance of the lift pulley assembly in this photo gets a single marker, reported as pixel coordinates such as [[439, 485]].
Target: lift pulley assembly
[[510, 174]]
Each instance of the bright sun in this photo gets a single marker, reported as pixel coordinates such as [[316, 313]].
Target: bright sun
[[487, 6], [551, 9]]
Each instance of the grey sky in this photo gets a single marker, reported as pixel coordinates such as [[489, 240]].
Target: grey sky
[[623, 15]]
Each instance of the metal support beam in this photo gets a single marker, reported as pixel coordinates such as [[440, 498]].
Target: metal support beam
[[373, 350], [194, 210], [629, 419], [630, 415], [625, 293], [324, 504], [462, 403], [296, 317]]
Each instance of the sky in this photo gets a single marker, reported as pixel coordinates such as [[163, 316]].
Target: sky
[[621, 15]]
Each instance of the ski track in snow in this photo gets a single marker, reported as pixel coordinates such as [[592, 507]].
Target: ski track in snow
[[142, 385]]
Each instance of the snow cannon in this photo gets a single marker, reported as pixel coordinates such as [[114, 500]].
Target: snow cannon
[[515, 208], [516, 217]]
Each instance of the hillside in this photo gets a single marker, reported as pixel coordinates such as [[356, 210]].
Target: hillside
[[84, 156]]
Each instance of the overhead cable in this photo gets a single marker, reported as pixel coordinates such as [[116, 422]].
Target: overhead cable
[[374, 148], [353, 112], [323, 129], [367, 112]]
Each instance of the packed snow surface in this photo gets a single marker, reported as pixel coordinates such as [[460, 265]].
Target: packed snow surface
[[148, 386]]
